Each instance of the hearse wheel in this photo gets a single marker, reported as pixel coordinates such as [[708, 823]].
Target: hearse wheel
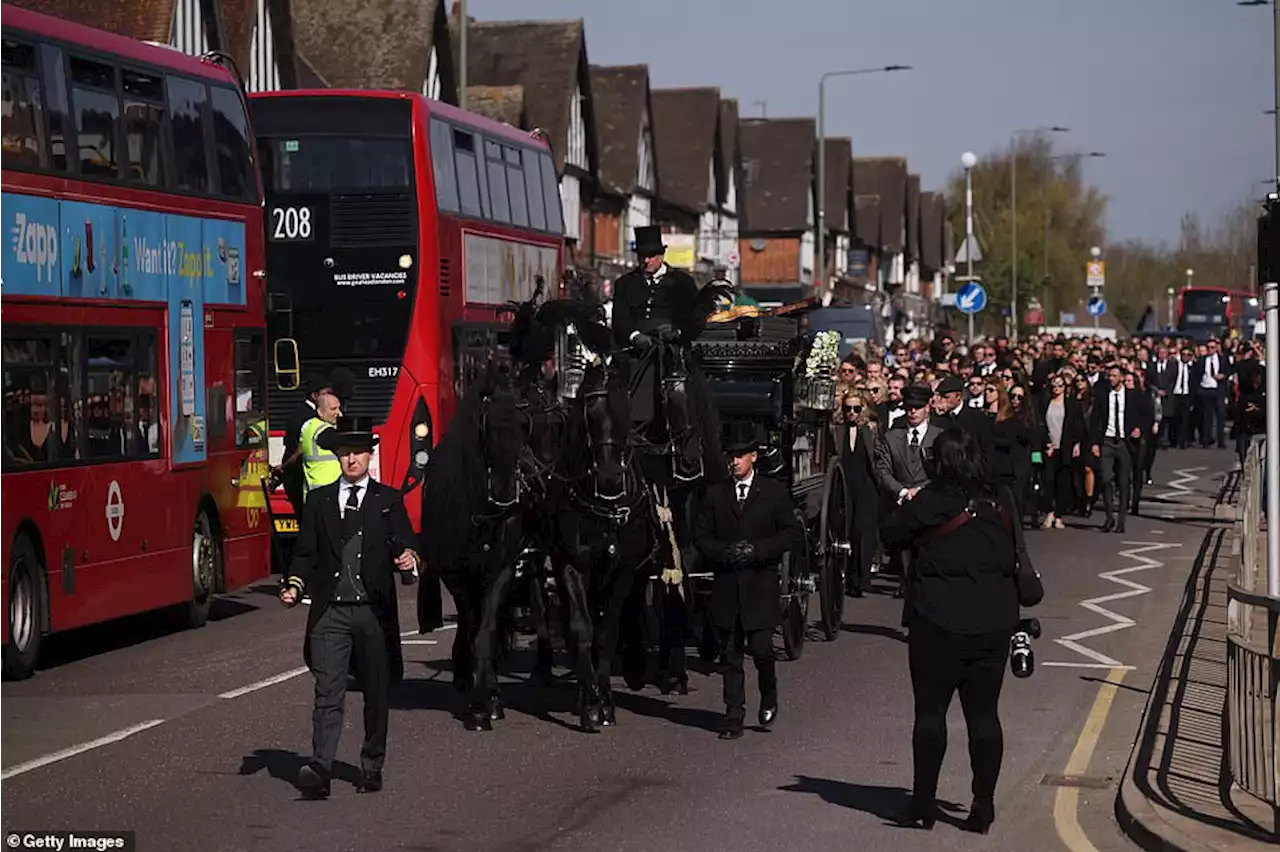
[[206, 570], [26, 611], [833, 550]]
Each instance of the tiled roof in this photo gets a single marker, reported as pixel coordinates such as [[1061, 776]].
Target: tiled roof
[[686, 126], [913, 217], [547, 59], [866, 219], [932, 207], [729, 142], [885, 177], [144, 20], [621, 96], [501, 103], [839, 154], [370, 44], [777, 166]]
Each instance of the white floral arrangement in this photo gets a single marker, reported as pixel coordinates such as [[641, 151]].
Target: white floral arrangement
[[824, 355]]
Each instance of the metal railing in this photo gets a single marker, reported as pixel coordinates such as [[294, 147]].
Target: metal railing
[[1253, 658]]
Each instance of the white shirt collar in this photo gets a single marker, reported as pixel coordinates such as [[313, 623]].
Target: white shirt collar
[[749, 481], [657, 276], [362, 482]]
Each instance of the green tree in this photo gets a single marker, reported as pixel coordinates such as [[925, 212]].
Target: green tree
[[1051, 190]]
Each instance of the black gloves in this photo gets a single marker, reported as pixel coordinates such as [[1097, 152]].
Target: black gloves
[[667, 334], [741, 554], [640, 340]]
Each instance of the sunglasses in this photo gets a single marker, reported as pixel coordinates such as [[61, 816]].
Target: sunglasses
[[1017, 396], [853, 409]]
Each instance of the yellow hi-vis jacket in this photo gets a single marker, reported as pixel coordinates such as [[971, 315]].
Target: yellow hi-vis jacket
[[319, 466]]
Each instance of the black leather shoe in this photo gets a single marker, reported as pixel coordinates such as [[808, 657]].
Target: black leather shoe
[[370, 782], [768, 713], [1108, 526], [732, 732], [314, 781], [1120, 528], [979, 820], [917, 815]]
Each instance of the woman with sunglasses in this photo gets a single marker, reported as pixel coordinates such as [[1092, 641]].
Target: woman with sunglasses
[[1010, 442], [1084, 474], [858, 435], [1066, 430]]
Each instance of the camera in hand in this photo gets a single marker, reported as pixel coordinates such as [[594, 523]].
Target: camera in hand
[[1022, 657]]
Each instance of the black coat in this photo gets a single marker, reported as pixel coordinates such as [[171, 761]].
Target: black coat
[[962, 582], [317, 558], [1075, 429], [1137, 415], [767, 520], [860, 475], [638, 307], [975, 421]]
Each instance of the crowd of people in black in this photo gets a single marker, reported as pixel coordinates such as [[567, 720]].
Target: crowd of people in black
[[950, 454]]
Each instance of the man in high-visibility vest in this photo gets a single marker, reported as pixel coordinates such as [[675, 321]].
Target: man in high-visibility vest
[[320, 467]]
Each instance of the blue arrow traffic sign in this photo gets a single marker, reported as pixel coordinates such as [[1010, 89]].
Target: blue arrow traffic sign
[[971, 298], [1097, 306]]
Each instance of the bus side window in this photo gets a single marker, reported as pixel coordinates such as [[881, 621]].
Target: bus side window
[[251, 390], [442, 167], [231, 142], [148, 399], [143, 118], [551, 193], [55, 106], [23, 134], [497, 173], [97, 116], [464, 145], [187, 117], [533, 183], [30, 429]]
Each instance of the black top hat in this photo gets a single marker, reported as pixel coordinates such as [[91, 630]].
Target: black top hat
[[649, 241], [916, 396], [349, 433], [743, 438]]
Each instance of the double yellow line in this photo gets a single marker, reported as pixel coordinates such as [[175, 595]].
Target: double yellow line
[[1066, 802]]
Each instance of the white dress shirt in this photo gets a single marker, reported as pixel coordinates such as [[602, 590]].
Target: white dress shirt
[[742, 487], [344, 493], [1182, 385], [1115, 413], [1209, 380]]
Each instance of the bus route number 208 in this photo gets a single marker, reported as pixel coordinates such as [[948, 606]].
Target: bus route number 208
[[383, 372], [290, 223]]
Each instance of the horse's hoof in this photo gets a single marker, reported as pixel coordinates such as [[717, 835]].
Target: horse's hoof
[[608, 718], [496, 711], [478, 722], [590, 720]]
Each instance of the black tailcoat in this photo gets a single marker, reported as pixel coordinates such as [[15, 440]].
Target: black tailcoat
[[639, 307], [767, 520], [317, 558]]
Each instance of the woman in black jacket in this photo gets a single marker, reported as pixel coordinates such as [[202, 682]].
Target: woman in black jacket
[[1065, 433], [962, 610], [857, 436]]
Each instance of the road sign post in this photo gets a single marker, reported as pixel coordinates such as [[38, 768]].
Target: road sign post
[[1096, 280], [971, 299]]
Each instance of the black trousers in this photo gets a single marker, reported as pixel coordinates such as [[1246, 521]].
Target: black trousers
[[1179, 433], [1116, 471], [344, 633], [1057, 493], [943, 663], [758, 643], [1213, 413]]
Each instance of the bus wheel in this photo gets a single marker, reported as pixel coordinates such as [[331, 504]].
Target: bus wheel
[[26, 611], [206, 568]]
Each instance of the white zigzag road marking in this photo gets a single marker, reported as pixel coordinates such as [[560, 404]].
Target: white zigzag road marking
[[1118, 621], [1186, 476]]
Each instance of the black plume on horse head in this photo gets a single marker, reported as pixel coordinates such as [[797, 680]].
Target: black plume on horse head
[[586, 317], [531, 342], [454, 484]]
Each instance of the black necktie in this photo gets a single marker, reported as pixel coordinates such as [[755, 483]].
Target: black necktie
[[742, 493], [1115, 405], [915, 443], [353, 498]]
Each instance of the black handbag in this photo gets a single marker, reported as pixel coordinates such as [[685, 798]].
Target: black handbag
[[1025, 575]]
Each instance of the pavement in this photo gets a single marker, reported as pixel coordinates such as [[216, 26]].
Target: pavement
[[192, 739], [1177, 793]]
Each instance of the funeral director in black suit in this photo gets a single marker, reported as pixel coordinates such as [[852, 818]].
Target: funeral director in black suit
[[354, 537], [743, 528], [655, 303]]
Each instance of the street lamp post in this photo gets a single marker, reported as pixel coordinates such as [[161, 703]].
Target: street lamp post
[[968, 159], [1190, 274], [1275, 50], [1170, 293], [1044, 193], [462, 54], [821, 190], [1013, 213]]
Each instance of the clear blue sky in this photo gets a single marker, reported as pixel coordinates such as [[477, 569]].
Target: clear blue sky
[[1172, 90]]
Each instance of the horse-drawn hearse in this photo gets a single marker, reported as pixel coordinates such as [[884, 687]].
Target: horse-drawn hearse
[[764, 370]]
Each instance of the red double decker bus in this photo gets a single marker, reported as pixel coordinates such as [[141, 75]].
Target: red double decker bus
[[396, 228], [1206, 312], [134, 346]]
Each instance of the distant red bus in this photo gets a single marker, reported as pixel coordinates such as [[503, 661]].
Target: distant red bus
[[397, 227], [134, 346], [1206, 312]]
